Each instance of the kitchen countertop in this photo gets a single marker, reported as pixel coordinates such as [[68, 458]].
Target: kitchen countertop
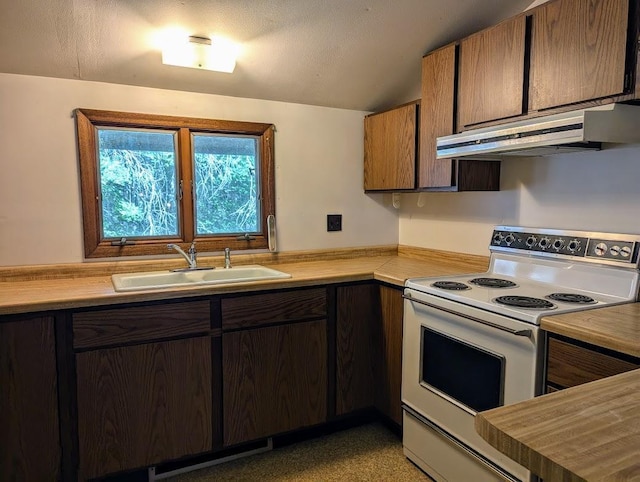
[[587, 432], [614, 327], [24, 296]]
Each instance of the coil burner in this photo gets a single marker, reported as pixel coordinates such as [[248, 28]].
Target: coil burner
[[450, 285], [493, 282], [525, 302], [571, 298]]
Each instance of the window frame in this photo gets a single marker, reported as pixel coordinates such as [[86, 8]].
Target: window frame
[[87, 122]]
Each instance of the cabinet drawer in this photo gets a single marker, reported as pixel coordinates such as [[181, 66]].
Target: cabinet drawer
[[140, 323], [571, 365], [269, 308]]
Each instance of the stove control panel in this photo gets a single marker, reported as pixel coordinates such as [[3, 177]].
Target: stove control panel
[[609, 248]]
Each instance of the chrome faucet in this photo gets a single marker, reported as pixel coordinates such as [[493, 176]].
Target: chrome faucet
[[227, 258], [191, 257]]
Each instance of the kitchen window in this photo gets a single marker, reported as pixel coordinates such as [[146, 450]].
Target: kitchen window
[[150, 180]]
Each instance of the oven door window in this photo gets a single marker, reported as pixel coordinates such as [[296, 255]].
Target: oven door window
[[469, 374]]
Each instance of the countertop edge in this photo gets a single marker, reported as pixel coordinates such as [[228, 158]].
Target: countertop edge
[[568, 435]]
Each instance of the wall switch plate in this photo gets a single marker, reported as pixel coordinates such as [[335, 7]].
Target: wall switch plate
[[334, 222]]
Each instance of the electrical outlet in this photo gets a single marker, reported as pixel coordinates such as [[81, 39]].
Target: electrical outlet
[[334, 222]]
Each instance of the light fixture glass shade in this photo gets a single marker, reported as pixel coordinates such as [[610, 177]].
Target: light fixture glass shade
[[201, 53]]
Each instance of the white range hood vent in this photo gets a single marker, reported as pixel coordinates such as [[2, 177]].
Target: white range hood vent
[[544, 136]]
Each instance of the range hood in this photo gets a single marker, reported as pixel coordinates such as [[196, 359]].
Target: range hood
[[543, 136]]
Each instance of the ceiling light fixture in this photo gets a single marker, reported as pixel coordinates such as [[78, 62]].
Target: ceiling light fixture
[[216, 54]]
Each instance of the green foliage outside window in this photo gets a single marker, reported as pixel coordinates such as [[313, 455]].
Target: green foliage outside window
[[226, 179], [139, 188]]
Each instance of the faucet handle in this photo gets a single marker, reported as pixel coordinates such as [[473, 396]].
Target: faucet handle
[[192, 248]]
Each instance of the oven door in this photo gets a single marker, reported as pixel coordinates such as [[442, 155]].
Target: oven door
[[458, 360]]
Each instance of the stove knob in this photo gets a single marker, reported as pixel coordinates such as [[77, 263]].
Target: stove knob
[[509, 239], [625, 251], [531, 241], [615, 250], [497, 237], [574, 245], [600, 249], [558, 244], [544, 243]]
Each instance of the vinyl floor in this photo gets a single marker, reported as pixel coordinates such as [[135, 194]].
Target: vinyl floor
[[366, 453]]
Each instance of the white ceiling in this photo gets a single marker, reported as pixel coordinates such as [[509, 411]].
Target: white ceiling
[[353, 54]]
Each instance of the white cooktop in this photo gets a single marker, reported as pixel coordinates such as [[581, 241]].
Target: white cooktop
[[537, 278]]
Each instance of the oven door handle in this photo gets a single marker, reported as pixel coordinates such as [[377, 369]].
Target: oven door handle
[[526, 333]]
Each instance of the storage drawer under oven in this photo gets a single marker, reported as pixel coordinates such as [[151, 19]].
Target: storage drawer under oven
[[444, 458]]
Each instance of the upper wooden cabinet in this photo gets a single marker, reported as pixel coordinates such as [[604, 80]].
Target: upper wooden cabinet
[[436, 114], [390, 149], [392, 160], [437, 118], [578, 51], [492, 72]]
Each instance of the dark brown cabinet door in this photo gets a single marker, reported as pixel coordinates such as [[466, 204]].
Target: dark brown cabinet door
[[578, 51], [571, 363], [30, 438], [389, 397], [492, 70], [275, 380], [390, 149], [141, 405], [356, 352], [437, 119]]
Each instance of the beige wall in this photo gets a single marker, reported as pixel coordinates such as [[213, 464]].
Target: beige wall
[[319, 171], [597, 191], [318, 165]]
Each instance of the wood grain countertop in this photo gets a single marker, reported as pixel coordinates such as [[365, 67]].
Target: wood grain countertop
[[614, 327], [586, 433], [48, 292]]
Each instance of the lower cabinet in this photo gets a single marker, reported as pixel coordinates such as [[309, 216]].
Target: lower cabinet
[[275, 380], [369, 349], [29, 434], [571, 363], [97, 392], [145, 385], [141, 405], [356, 325], [389, 362]]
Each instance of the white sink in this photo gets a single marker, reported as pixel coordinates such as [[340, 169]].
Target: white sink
[[172, 279]]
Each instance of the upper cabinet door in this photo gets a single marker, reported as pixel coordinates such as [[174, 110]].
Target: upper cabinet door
[[390, 149], [436, 115], [577, 52], [492, 71]]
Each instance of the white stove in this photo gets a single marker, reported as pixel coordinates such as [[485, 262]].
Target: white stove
[[472, 342], [528, 287]]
